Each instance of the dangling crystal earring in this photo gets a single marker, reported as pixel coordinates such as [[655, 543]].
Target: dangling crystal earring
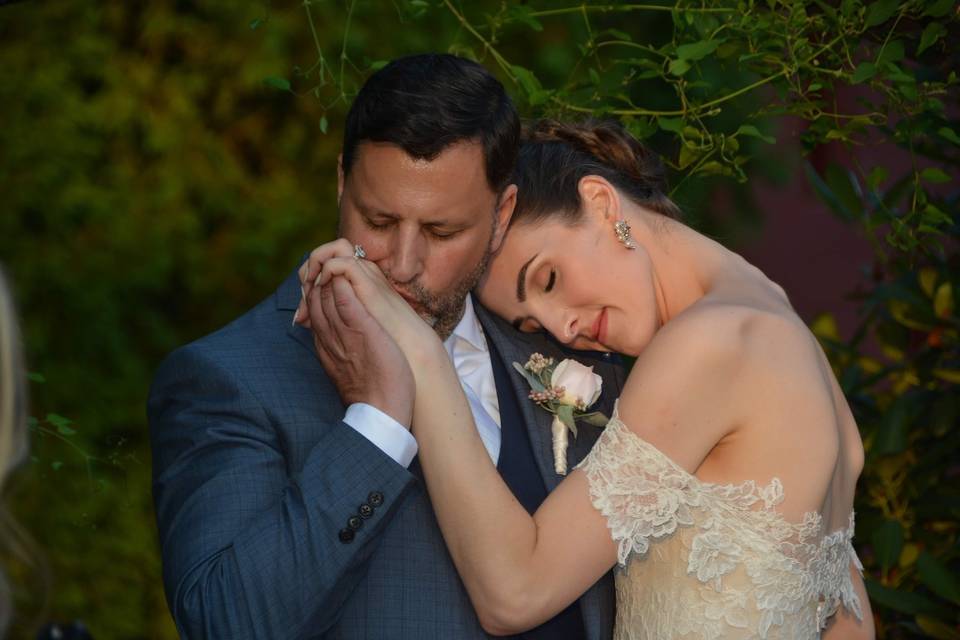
[[622, 229]]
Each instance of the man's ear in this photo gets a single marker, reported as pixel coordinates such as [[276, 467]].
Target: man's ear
[[599, 198], [505, 207], [339, 177]]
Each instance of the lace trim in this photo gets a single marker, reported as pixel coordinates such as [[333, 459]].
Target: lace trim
[[646, 497]]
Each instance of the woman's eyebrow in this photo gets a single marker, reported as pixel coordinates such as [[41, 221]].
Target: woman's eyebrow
[[522, 280]]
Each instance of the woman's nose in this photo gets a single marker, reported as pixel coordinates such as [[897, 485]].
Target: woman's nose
[[564, 327]]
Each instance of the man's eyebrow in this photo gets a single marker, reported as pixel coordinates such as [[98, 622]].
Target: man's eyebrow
[[522, 280], [371, 211]]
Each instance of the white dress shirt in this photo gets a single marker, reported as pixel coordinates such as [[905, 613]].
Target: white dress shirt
[[467, 347]]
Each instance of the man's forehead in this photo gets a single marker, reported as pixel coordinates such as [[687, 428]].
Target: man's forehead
[[464, 157], [387, 180]]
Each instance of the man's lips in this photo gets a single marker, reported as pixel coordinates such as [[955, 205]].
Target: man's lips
[[410, 300], [420, 309]]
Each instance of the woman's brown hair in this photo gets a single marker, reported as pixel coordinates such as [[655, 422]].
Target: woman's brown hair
[[555, 155]]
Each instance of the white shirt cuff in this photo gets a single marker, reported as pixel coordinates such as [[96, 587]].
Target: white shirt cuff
[[384, 432]]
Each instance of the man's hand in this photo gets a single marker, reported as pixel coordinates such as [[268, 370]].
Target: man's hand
[[364, 362], [374, 292]]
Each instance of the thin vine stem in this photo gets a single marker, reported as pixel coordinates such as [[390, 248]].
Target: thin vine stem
[[87, 458], [488, 46], [321, 62], [627, 43], [700, 109], [622, 8], [706, 106], [343, 48]]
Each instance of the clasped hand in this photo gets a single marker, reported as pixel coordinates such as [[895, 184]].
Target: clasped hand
[[365, 334]]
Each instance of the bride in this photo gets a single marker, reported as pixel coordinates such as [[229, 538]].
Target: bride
[[722, 487]]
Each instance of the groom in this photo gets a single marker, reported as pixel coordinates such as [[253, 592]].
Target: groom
[[287, 490]]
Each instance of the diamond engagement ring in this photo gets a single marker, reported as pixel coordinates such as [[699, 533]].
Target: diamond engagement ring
[[358, 252]]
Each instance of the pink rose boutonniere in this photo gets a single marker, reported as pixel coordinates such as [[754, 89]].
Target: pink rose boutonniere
[[566, 390]]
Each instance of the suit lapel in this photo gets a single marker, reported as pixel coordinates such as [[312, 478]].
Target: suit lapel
[[288, 299], [303, 336], [536, 420]]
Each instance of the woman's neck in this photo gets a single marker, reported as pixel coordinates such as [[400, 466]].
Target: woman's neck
[[685, 263]]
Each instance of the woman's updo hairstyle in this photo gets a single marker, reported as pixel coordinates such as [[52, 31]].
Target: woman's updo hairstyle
[[555, 155]]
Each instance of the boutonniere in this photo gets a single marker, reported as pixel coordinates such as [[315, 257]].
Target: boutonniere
[[566, 390]]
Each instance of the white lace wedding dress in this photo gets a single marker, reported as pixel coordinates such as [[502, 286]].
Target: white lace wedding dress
[[701, 560]]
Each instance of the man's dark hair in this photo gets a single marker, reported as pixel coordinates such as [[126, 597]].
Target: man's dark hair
[[425, 103]]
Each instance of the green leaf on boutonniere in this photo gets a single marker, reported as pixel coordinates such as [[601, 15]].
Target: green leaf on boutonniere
[[565, 413], [595, 418], [534, 382]]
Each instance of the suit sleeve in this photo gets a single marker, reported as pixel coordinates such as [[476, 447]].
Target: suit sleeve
[[251, 548]]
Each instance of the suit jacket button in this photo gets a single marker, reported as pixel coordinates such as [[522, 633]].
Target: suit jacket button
[[346, 535], [365, 511], [375, 499], [354, 522]]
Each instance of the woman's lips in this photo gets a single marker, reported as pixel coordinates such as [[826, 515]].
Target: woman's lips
[[600, 327]]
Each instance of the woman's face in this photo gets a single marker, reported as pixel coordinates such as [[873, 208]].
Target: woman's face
[[576, 281]]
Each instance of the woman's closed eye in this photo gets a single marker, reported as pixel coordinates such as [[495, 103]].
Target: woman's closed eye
[[552, 280]]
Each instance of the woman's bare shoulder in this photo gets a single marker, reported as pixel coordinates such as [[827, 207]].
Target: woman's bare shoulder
[[725, 329], [684, 392]]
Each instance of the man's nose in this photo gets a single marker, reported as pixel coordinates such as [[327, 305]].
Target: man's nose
[[407, 253]]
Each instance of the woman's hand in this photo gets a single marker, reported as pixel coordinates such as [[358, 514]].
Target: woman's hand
[[336, 259], [310, 270]]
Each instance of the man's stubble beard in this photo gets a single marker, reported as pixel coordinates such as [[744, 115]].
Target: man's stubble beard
[[443, 312]]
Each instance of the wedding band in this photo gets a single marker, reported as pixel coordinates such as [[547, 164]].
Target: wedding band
[[358, 252]]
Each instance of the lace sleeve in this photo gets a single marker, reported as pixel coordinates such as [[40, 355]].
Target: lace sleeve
[[643, 494], [832, 564], [850, 599]]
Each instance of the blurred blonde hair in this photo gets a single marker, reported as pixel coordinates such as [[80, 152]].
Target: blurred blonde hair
[[13, 387], [13, 432]]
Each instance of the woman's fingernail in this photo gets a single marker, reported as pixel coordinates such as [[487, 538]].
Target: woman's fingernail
[[316, 282], [296, 316]]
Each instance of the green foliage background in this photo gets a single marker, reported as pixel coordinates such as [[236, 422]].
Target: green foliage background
[[164, 164]]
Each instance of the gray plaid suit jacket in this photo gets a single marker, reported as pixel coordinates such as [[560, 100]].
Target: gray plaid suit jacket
[[255, 475]]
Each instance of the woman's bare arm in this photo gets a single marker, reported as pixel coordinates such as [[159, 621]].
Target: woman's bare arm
[[519, 570]]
